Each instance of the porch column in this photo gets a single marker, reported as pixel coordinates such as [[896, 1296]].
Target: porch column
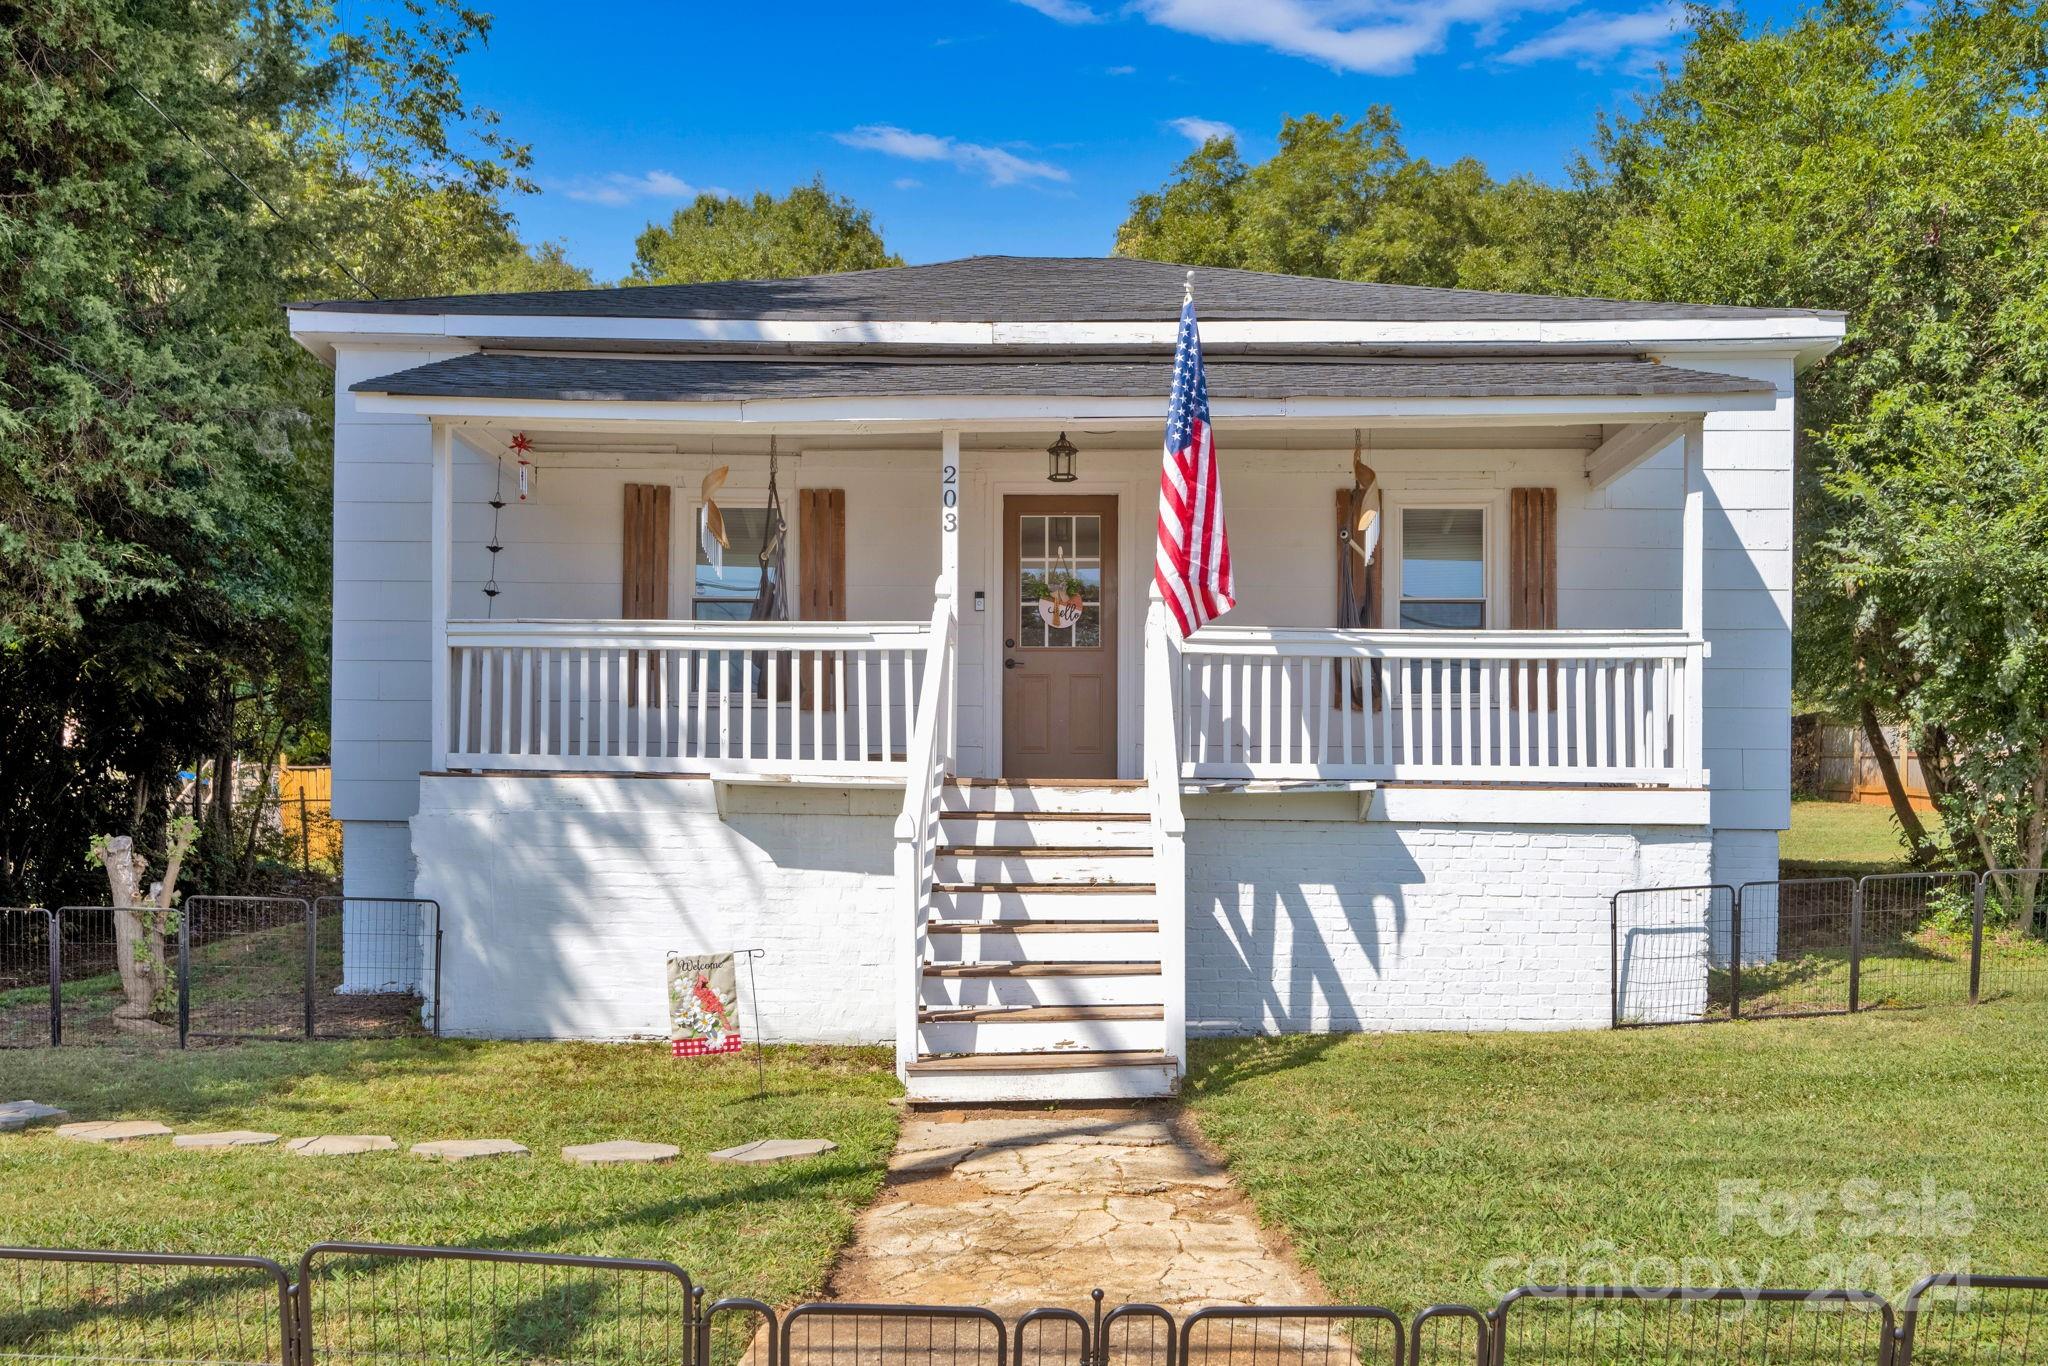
[[1692, 594], [948, 588], [1693, 537], [443, 534]]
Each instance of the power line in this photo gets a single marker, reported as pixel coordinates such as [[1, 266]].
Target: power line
[[226, 169], [64, 355]]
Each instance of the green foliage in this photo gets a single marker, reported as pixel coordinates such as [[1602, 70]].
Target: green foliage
[[1345, 200], [809, 231], [171, 174]]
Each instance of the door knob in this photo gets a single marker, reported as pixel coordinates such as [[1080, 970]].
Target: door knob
[[1010, 663]]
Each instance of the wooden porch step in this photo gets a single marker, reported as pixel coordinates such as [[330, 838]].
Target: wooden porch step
[[1040, 1062], [1041, 927], [1037, 1014], [1112, 784], [1047, 850], [1139, 969], [1061, 888], [1133, 817]]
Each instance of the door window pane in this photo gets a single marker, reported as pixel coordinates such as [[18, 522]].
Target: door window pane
[[727, 593], [1059, 581]]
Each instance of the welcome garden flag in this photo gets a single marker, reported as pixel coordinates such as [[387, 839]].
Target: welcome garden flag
[[703, 1004]]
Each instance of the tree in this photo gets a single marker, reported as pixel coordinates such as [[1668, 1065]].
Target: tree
[[1898, 172], [172, 174], [1343, 199], [809, 231]]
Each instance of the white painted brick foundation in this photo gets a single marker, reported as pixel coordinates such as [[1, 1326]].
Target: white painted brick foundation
[[1307, 926], [562, 897]]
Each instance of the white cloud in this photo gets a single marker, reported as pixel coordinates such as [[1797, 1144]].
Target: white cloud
[[908, 182], [1382, 38], [1063, 11], [994, 164], [618, 189], [1120, 71], [1595, 38], [1199, 131]]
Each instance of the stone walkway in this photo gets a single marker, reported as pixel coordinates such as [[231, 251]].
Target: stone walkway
[[1016, 1210]]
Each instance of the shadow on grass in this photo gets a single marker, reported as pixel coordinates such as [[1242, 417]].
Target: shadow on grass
[[1219, 1064]]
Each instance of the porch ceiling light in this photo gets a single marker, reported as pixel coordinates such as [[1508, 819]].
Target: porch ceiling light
[[1059, 461]]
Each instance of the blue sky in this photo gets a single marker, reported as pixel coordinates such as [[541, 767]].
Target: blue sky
[[1018, 126]]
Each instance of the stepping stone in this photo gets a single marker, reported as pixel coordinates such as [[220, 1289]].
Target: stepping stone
[[762, 1152], [112, 1130], [463, 1149], [19, 1114], [341, 1145], [226, 1138], [619, 1150]]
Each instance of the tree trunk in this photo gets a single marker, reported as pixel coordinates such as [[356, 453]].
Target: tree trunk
[[138, 940], [1895, 787]]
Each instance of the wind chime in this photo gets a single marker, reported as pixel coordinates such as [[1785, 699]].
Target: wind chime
[[522, 445]]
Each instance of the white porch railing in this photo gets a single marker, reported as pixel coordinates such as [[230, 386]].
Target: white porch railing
[[742, 698], [1477, 706], [917, 825]]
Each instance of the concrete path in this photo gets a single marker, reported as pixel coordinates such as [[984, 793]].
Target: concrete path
[[1015, 1210]]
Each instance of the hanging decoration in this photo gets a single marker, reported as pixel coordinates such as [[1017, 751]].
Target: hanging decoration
[[1060, 603], [524, 447], [1357, 583], [771, 599], [494, 545], [711, 522]]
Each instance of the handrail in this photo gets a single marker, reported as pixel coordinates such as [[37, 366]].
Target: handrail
[[621, 633], [1291, 640], [1169, 823], [925, 777]]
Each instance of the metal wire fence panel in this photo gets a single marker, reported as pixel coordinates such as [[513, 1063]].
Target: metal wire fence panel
[[1137, 1335], [1915, 939], [2013, 940], [93, 1007], [375, 966], [28, 978], [1271, 1335], [892, 1335], [1051, 1337], [1639, 1326], [1789, 948], [1449, 1335], [243, 967], [141, 1307], [361, 1303], [739, 1329], [1975, 1321], [1662, 947]]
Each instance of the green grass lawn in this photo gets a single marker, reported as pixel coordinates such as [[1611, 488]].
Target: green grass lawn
[[1426, 1167], [770, 1232], [1830, 839]]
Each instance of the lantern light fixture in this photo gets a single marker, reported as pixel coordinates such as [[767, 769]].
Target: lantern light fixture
[[1059, 457]]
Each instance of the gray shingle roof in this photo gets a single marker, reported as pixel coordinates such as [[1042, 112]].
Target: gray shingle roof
[[1024, 289], [498, 375]]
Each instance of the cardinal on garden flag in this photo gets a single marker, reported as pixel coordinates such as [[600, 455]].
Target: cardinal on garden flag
[[703, 1004], [1192, 565]]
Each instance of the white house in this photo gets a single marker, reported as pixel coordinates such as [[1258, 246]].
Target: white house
[[1036, 854]]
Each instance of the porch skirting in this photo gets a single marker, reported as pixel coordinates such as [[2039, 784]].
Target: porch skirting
[[561, 897]]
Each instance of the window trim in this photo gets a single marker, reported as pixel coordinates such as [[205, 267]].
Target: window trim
[[1493, 507]]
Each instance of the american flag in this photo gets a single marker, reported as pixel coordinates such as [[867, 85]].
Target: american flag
[[1192, 567]]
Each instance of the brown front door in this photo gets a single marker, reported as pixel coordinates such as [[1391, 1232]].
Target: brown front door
[[1059, 637]]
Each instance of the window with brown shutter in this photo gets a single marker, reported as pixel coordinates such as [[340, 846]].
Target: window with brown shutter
[[821, 572], [1532, 559], [643, 574], [643, 579]]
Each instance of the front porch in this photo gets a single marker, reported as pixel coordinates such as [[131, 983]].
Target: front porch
[[1610, 698]]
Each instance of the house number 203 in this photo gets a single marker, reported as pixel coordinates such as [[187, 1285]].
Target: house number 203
[[949, 498]]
